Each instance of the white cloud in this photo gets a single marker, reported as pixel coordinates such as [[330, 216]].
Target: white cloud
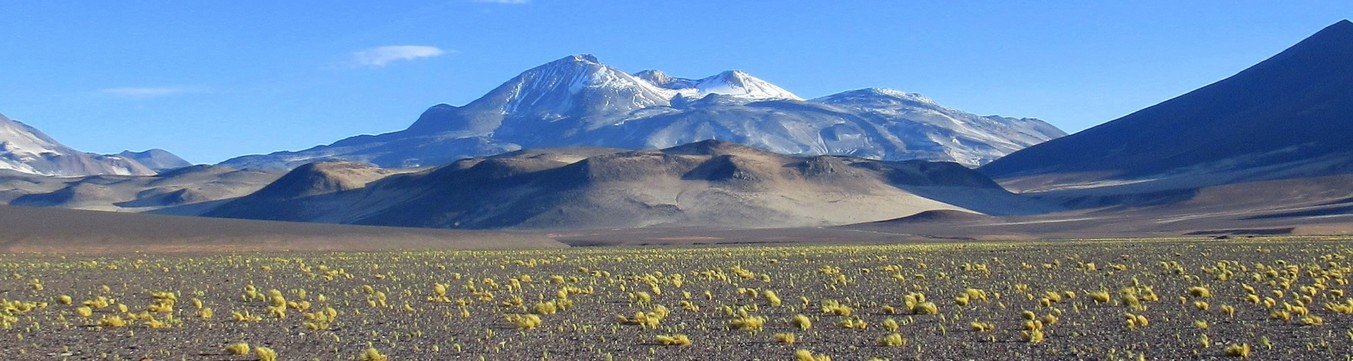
[[147, 92], [382, 55]]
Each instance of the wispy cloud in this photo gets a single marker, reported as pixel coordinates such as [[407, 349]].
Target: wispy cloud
[[508, 2], [382, 55], [148, 92]]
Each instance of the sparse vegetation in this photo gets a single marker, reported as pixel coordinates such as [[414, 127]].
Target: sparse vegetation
[[893, 340], [1238, 350], [1165, 299], [372, 354], [238, 348], [674, 340], [265, 354]]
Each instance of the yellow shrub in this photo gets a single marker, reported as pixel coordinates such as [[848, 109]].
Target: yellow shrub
[[371, 354], [240, 348], [893, 340], [749, 323], [674, 340], [265, 354], [525, 322], [805, 355], [1033, 336], [982, 326], [112, 321], [854, 323], [802, 322], [925, 308]]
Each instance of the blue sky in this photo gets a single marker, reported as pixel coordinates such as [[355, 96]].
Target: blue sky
[[209, 80]]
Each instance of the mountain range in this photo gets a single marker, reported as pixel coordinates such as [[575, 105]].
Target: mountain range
[[25, 149], [579, 101], [593, 154]]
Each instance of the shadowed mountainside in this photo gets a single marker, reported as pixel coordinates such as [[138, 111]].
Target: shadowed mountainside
[[1288, 116]]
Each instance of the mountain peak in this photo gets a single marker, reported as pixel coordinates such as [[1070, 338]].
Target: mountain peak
[[732, 83], [586, 57], [573, 86], [665, 81], [156, 159], [1338, 34], [733, 77], [578, 58], [585, 63], [654, 76], [733, 74], [740, 84]]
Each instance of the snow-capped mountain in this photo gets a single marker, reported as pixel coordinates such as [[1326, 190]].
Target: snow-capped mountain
[[967, 138], [25, 149], [579, 101]]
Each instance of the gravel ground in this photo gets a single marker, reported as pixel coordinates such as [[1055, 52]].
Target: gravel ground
[[390, 301]]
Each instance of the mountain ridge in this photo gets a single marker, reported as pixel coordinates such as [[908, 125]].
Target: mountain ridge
[[1288, 108], [579, 101], [156, 159], [26, 149]]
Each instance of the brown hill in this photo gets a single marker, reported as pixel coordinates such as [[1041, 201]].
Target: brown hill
[[287, 194], [323, 178], [176, 191], [704, 184]]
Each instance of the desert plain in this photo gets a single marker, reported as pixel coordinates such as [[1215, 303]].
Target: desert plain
[[472, 296]]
